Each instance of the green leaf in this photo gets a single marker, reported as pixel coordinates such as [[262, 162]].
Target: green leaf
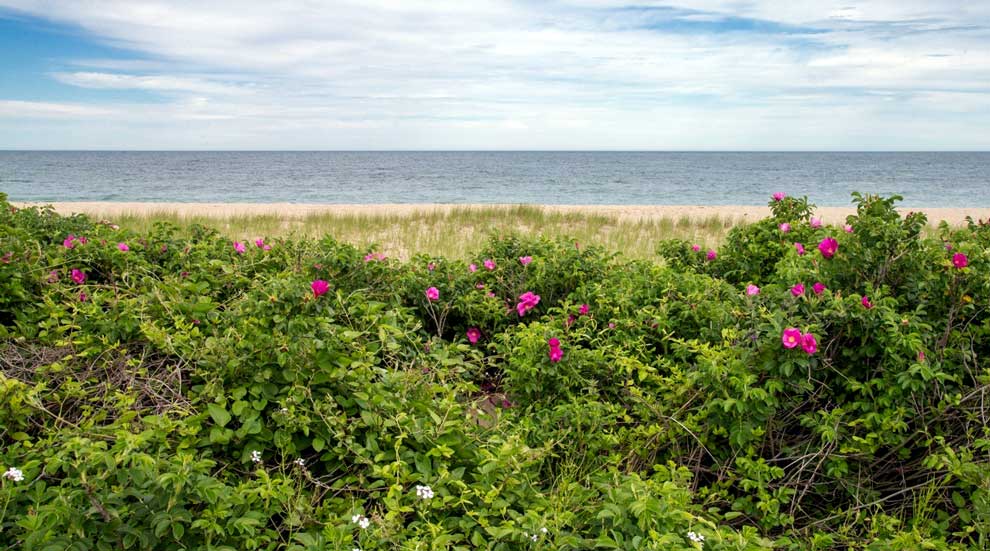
[[219, 414]]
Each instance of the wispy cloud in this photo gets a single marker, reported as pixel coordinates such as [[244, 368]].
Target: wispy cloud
[[50, 110], [155, 83], [560, 74]]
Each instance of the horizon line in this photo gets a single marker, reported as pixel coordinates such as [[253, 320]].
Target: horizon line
[[2, 150]]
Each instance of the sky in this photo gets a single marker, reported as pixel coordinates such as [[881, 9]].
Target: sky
[[483, 75]]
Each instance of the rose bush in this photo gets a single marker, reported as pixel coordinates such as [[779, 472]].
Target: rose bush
[[185, 392]]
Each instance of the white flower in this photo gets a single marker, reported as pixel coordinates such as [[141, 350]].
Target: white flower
[[424, 492], [362, 521], [256, 456], [544, 529], [14, 474], [284, 411], [534, 537], [301, 462], [695, 537]]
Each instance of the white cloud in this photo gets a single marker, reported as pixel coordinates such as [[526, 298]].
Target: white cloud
[[579, 73], [157, 83], [49, 110]]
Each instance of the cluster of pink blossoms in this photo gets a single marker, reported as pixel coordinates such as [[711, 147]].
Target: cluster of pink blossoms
[[798, 289], [525, 260], [710, 255], [555, 353], [793, 337], [260, 243], [527, 301], [71, 241], [378, 257], [582, 311]]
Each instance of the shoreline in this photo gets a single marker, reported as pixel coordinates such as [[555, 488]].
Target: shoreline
[[625, 213]]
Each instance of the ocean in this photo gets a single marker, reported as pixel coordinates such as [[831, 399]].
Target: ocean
[[942, 179]]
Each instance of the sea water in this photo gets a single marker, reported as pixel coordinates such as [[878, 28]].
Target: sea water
[[942, 179]]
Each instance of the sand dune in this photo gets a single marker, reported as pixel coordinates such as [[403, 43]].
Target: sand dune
[[622, 212]]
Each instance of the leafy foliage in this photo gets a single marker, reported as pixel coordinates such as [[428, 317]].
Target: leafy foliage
[[181, 394]]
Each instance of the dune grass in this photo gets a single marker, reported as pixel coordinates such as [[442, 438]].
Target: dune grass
[[455, 233]]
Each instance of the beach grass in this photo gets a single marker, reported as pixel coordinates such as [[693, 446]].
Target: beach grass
[[455, 232]]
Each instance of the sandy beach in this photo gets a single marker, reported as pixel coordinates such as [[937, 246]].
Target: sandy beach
[[625, 213]]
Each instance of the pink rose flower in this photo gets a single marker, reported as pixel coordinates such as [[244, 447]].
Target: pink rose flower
[[433, 294], [527, 301], [752, 290], [712, 255], [525, 260], [69, 242], [695, 247], [555, 352], [815, 222], [798, 289], [809, 344], [123, 247], [472, 268], [791, 337], [319, 287], [784, 227], [489, 264], [239, 247], [583, 310], [431, 266], [779, 196], [847, 228], [799, 248], [828, 247], [78, 276], [959, 260], [473, 334], [866, 302], [818, 287]]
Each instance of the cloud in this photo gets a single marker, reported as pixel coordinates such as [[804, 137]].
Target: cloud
[[157, 83], [49, 110], [581, 73]]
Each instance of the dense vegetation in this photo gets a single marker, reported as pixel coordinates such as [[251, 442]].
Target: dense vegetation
[[170, 390]]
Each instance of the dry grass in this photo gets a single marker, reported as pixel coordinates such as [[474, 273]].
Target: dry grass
[[457, 232]]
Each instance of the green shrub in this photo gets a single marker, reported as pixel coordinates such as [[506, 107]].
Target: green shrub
[[188, 395]]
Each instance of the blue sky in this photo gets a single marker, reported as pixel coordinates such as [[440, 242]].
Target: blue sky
[[448, 74]]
